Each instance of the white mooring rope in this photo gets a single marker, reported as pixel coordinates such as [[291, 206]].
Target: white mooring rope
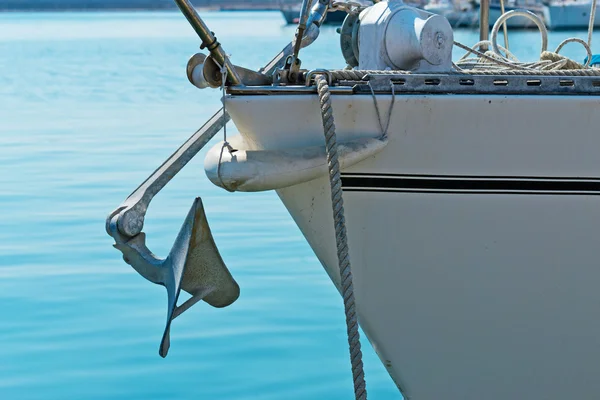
[[358, 375]]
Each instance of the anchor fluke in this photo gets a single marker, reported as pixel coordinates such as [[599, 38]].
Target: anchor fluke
[[194, 265]]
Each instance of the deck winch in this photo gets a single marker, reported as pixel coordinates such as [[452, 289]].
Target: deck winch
[[392, 35]]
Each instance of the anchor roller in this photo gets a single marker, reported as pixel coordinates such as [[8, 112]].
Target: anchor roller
[[203, 72]]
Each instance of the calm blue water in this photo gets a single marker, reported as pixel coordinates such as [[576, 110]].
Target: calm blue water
[[90, 104]]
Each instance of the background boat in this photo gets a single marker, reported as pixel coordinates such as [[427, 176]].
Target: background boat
[[459, 13], [535, 6], [560, 14], [291, 13]]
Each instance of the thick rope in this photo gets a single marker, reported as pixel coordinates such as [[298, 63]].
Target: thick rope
[[508, 56], [585, 46], [554, 57], [358, 75], [337, 202], [489, 57], [550, 64]]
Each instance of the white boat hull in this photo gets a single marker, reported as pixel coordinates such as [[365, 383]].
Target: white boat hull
[[569, 15], [458, 18], [476, 258], [515, 22]]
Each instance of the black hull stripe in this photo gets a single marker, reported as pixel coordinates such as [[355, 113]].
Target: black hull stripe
[[470, 184], [469, 192], [476, 177]]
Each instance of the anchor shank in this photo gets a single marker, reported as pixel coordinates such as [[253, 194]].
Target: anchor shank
[[131, 212], [131, 220], [277, 61]]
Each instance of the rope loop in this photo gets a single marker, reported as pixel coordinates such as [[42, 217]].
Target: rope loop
[[581, 42], [519, 13], [384, 131]]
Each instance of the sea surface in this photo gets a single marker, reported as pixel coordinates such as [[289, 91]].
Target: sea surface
[[90, 105]]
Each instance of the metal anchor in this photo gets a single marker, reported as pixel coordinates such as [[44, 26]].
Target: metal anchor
[[194, 263]]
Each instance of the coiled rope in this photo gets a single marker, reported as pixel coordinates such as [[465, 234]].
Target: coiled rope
[[549, 61], [337, 202]]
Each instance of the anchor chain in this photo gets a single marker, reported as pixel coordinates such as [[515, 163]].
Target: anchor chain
[[337, 202]]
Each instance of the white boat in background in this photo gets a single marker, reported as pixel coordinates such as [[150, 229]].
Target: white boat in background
[[458, 13], [291, 14], [454, 204], [534, 6], [569, 14]]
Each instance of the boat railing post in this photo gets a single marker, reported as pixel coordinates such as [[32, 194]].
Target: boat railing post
[[484, 22]]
